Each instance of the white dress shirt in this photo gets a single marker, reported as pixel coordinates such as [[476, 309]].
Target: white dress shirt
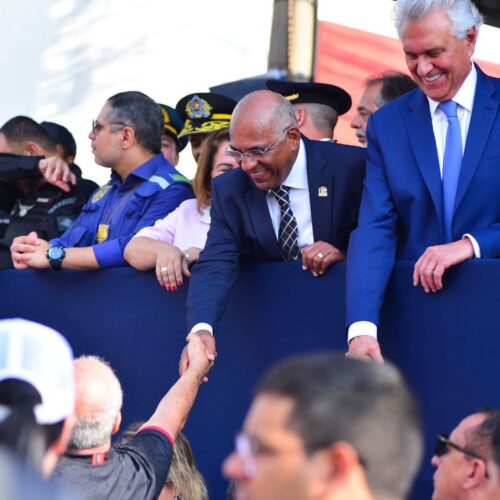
[[299, 200], [465, 100]]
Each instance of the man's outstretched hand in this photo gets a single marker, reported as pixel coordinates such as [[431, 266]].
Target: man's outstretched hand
[[365, 347], [209, 342]]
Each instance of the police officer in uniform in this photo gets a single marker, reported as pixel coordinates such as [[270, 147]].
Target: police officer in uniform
[[37, 194], [203, 113], [144, 187], [171, 144], [317, 106]]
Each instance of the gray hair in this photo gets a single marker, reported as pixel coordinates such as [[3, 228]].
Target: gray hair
[[140, 112], [323, 116], [483, 439], [463, 14], [365, 404], [96, 427], [285, 115]]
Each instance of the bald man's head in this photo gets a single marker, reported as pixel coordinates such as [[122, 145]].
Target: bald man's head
[[264, 109], [99, 400], [265, 137]]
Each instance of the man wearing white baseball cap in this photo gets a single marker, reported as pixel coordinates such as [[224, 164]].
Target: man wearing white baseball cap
[[37, 393]]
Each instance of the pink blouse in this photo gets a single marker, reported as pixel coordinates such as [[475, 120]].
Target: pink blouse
[[185, 227]]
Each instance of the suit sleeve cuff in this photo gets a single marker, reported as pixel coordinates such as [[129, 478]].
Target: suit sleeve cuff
[[202, 326], [361, 328], [475, 245]]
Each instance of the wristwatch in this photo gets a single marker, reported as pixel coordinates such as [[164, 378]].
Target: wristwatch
[[56, 254]]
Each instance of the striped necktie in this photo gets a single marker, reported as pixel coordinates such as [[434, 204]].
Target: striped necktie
[[288, 233]]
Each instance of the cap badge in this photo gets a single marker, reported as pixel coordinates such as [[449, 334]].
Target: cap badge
[[198, 108]]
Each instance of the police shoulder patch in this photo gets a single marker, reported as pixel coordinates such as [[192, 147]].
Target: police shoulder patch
[[101, 193]]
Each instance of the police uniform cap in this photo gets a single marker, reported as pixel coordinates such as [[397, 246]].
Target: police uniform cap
[[204, 112], [61, 135], [312, 92], [172, 125]]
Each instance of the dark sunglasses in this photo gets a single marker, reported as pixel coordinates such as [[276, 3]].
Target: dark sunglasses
[[443, 444]]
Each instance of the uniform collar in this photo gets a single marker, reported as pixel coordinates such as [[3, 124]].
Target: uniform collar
[[144, 171]]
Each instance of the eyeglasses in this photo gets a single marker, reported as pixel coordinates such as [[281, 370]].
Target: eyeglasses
[[246, 451], [249, 449], [97, 127], [254, 154], [443, 443]]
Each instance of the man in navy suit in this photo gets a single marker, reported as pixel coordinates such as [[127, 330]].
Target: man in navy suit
[[406, 211], [323, 184]]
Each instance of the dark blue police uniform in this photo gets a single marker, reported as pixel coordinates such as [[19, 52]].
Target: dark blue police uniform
[[149, 193]]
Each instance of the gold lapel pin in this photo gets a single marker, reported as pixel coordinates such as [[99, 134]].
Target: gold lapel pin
[[322, 191]]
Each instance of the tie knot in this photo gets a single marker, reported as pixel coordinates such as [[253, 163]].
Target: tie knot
[[281, 194], [280, 189], [449, 108]]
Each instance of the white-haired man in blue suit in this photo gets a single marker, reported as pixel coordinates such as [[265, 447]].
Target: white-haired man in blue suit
[[433, 167]]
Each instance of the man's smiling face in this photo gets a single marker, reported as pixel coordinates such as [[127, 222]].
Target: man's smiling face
[[438, 61]]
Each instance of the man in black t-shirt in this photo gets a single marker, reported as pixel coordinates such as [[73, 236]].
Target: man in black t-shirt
[[92, 468]]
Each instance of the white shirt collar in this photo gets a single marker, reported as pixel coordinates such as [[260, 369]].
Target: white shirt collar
[[465, 95], [297, 178]]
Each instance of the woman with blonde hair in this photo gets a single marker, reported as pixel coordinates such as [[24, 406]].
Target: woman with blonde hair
[[184, 480]]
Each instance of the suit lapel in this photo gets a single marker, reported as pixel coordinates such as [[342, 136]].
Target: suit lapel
[[423, 144], [261, 221], [482, 119], [320, 192]]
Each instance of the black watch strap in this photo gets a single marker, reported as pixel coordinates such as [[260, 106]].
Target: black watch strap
[[56, 254]]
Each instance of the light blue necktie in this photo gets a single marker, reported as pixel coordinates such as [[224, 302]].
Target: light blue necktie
[[452, 163]]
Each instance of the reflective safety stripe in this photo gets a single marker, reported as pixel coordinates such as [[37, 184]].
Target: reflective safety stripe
[[163, 183]]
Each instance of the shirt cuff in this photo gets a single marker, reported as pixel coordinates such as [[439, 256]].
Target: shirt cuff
[[202, 326], [109, 254], [475, 245], [361, 328]]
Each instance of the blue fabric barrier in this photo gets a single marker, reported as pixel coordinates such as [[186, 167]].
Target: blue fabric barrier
[[445, 343]]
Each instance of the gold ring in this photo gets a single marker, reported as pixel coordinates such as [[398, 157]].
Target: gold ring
[[320, 255], [163, 269]]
